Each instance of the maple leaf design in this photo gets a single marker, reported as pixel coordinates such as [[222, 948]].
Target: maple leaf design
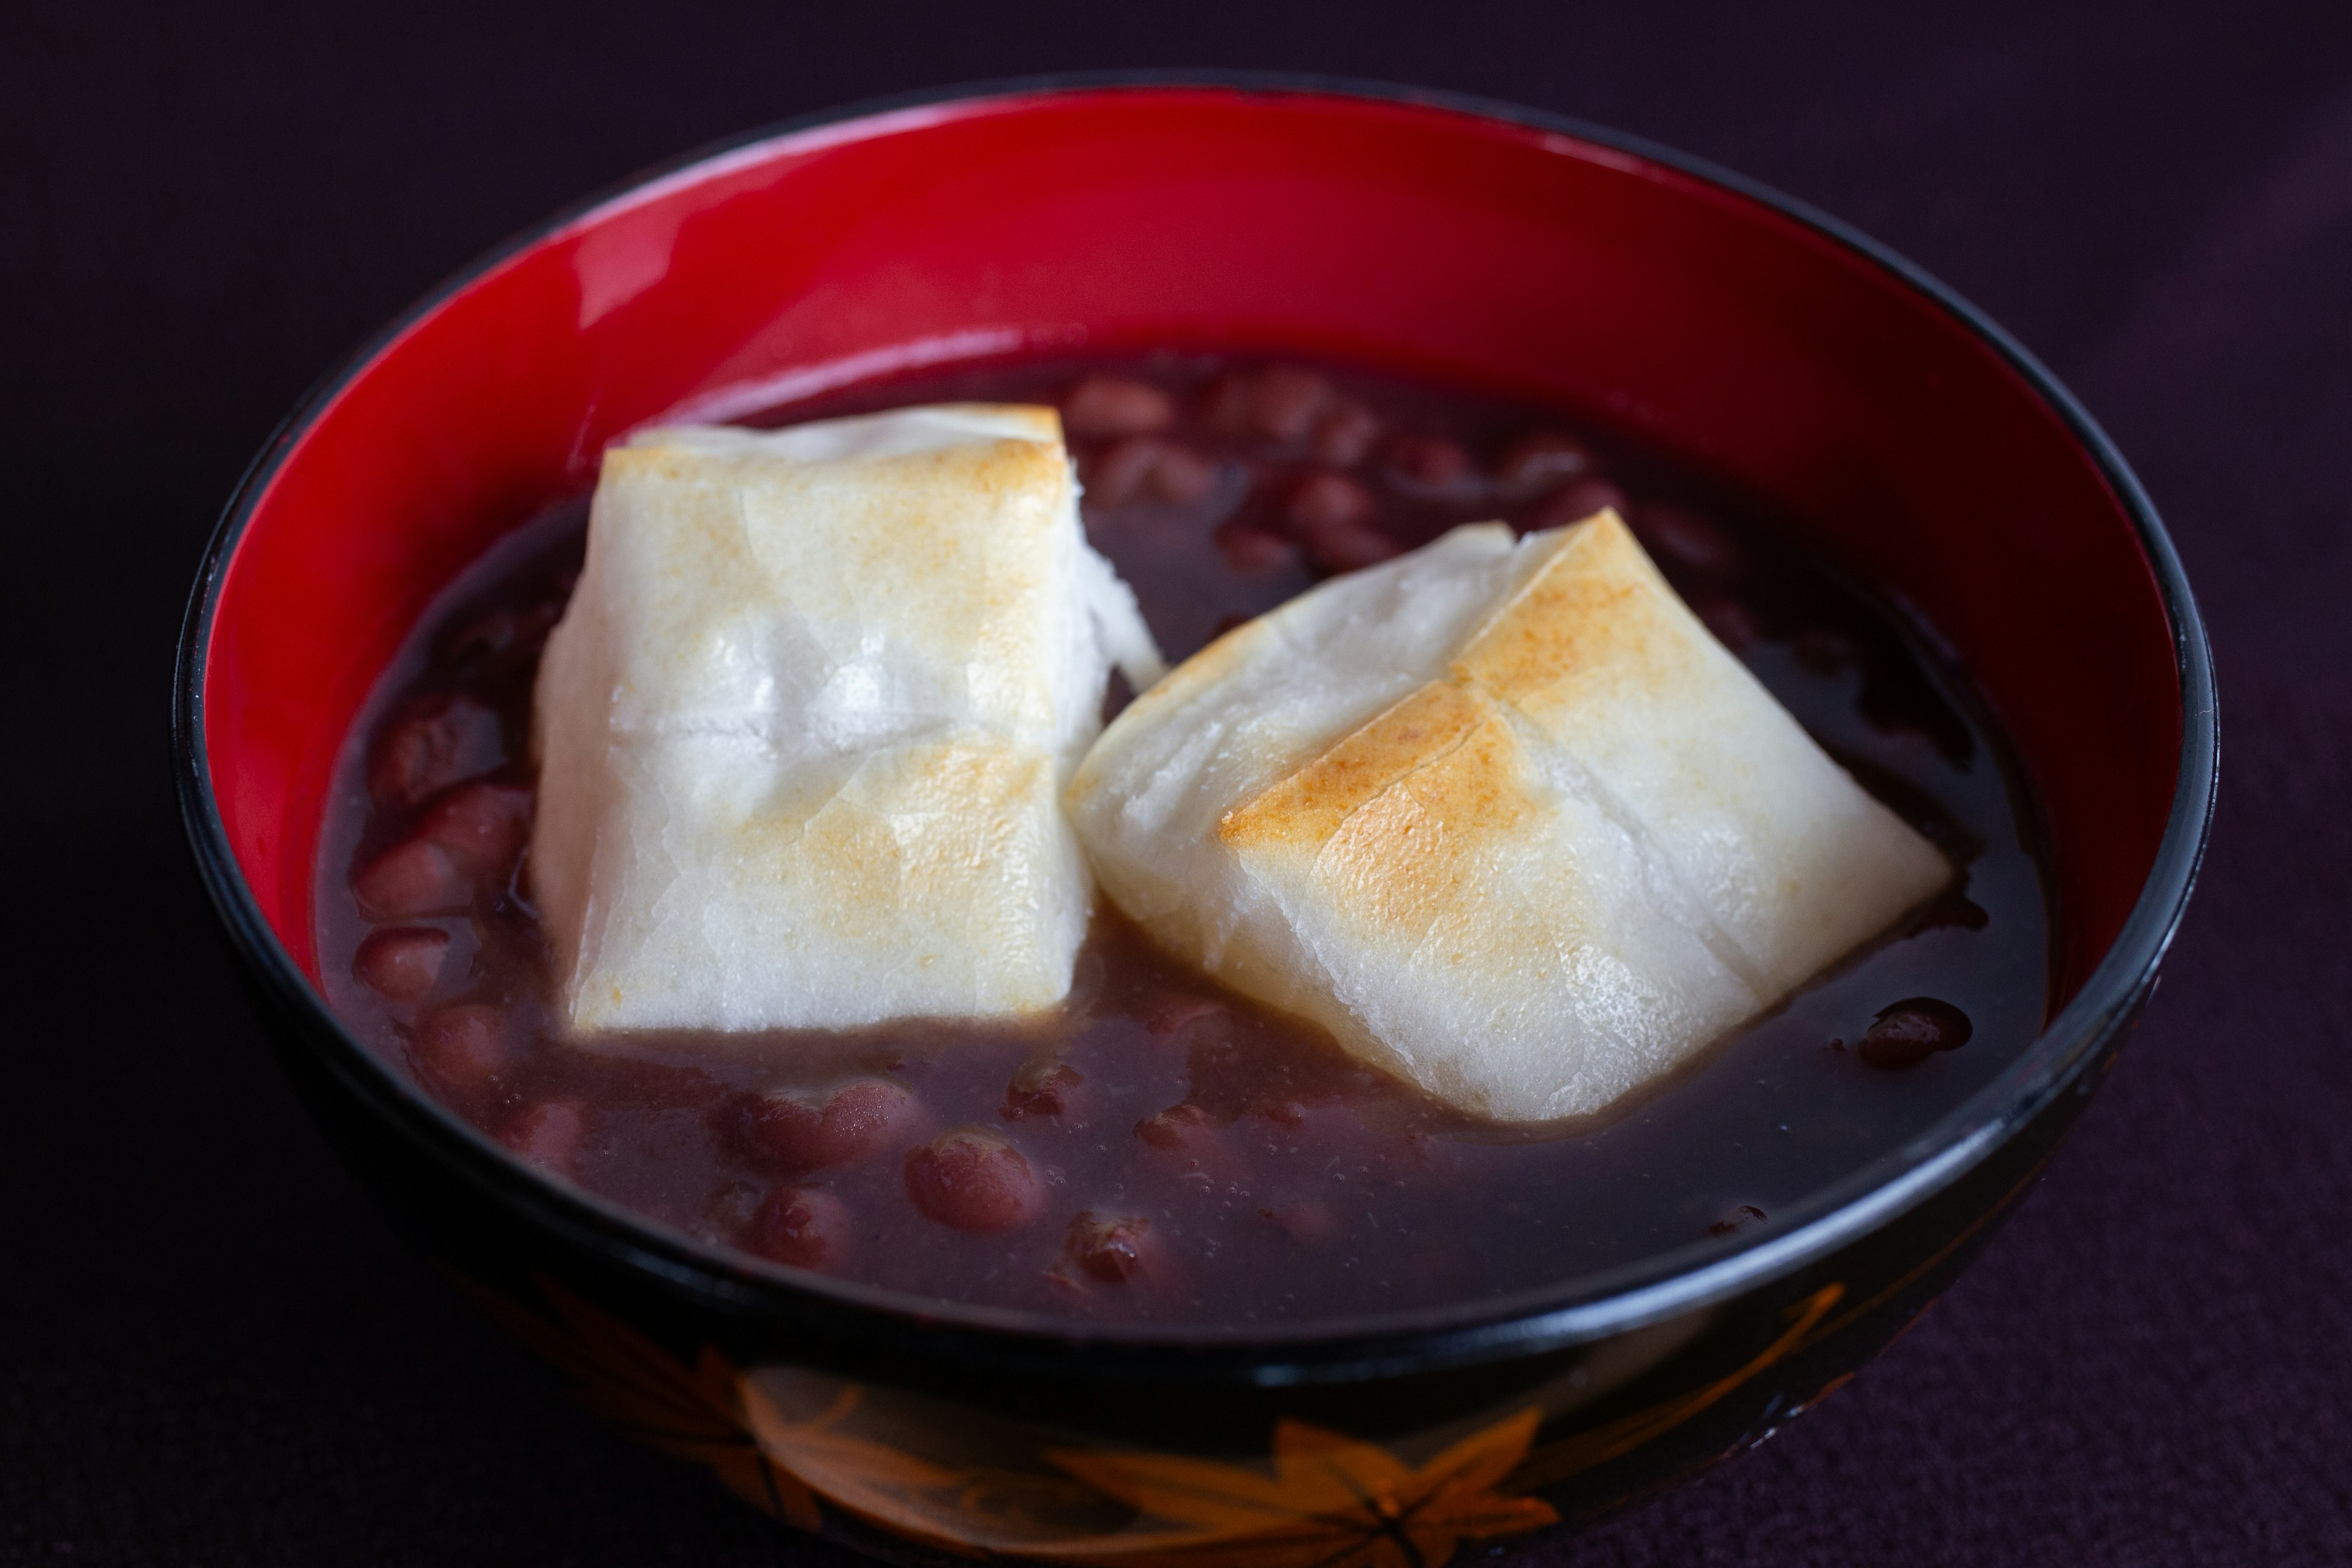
[[1331, 1501]]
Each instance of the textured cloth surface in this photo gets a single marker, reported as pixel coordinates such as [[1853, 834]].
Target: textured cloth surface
[[211, 1351]]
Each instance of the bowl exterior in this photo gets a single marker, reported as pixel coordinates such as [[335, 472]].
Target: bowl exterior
[[1513, 251]]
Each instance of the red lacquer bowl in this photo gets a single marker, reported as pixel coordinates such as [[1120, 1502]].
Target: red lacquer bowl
[[1473, 244]]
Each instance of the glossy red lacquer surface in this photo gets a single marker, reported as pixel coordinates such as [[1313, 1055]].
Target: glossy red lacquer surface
[[1408, 237]]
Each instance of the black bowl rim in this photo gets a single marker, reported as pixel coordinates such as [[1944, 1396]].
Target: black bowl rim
[[1577, 1311]]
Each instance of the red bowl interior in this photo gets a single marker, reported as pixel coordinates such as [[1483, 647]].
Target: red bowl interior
[[1402, 235]]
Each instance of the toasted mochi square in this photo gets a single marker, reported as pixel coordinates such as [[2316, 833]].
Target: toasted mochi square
[[803, 728], [1500, 814]]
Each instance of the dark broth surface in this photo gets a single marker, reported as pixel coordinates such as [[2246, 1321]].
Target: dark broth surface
[[1187, 1155]]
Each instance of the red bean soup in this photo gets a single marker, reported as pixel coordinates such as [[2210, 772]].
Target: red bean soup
[[1161, 1149]]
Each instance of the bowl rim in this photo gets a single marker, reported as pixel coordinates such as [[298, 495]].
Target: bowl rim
[[1578, 1309]]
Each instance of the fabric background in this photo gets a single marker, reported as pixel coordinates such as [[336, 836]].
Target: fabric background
[[211, 1351]]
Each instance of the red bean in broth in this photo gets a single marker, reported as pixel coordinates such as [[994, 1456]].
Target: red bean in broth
[[1285, 404], [1346, 435], [430, 742], [973, 1180], [1186, 1141], [1112, 1249], [1910, 1032], [800, 1131], [413, 879], [402, 964], [1322, 501], [1430, 465], [482, 825], [467, 840], [1540, 460], [1335, 520], [1116, 406], [501, 642], [807, 1227], [548, 1133], [1045, 1088], [1145, 470]]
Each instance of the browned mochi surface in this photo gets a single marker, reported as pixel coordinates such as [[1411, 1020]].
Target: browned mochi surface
[[1401, 811], [1501, 815]]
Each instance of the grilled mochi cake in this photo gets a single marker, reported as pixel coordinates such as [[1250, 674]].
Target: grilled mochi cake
[[1500, 814], [803, 728]]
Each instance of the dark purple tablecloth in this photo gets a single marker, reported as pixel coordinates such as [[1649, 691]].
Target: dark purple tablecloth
[[210, 1350]]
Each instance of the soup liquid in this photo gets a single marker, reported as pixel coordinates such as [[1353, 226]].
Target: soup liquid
[[1189, 1156]]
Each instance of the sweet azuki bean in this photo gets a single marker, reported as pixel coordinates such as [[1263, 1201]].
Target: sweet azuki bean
[[1346, 435], [413, 879], [1116, 406], [1111, 1249], [1045, 1086], [548, 1133], [856, 1122], [1146, 468], [1287, 402], [482, 825], [1911, 1031], [468, 1048], [807, 1227], [402, 963], [1325, 501], [973, 1180], [429, 744]]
